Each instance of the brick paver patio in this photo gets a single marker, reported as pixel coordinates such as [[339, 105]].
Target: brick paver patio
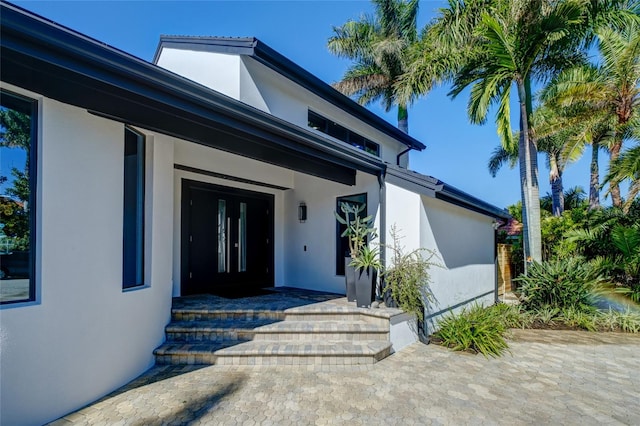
[[550, 377]]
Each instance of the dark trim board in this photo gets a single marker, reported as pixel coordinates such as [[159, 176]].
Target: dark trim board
[[227, 177], [186, 185]]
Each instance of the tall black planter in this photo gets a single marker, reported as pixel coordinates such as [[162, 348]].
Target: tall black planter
[[350, 279], [389, 301], [365, 289]]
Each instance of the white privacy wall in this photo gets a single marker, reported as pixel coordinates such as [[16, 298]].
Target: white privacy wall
[[465, 244], [315, 268], [462, 240], [84, 336]]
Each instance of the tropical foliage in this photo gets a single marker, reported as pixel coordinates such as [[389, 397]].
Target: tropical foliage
[[379, 47]]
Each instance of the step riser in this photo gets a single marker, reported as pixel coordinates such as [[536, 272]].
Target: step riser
[[209, 336], [268, 360], [335, 317], [222, 315], [219, 336], [315, 337]]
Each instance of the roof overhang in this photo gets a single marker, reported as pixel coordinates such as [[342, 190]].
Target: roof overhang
[[435, 188], [254, 48], [57, 62]]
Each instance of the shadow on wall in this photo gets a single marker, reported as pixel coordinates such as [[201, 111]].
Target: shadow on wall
[[458, 239]]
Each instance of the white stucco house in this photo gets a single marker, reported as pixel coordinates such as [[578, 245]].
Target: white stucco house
[[129, 159]]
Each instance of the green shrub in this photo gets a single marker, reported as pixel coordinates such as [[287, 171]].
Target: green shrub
[[627, 321], [408, 276], [512, 316], [579, 318], [560, 283], [477, 329], [546, 315]]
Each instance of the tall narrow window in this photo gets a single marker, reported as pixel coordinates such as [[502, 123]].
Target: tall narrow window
[[18, 129], [342, 243], [133, 235]]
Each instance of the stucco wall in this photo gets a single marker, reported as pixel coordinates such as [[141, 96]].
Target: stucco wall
[[315, 268], [215, 70], [84, 336], [462, 240], [253, 83]]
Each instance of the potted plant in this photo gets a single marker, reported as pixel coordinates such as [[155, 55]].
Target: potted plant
[[357, 229], [367, 264]]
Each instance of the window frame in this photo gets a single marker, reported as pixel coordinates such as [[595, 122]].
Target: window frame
[[140, 199], [328, 127], [32, 106], [339, 240]]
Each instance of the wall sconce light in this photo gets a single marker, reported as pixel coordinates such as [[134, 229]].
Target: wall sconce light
[[302, 212]]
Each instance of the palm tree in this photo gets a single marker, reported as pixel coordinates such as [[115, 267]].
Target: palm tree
[[520, 40], [379, 45], [552, 146], [626, 167], [610, 89]]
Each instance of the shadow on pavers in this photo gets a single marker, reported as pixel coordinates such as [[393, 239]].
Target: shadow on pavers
[[195, 408]]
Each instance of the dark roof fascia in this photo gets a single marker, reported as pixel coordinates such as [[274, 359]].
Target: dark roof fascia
[[433, 187], [51, 42], [264, 54], [412, 181]]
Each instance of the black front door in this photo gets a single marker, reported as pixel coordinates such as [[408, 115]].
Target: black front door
[[227, 238]]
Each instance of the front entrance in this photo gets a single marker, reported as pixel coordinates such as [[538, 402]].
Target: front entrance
[[227, 239]]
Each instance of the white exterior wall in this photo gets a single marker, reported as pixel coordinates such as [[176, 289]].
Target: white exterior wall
[[253, 83], [315, 268], [215, 70], [291, 102], [462, 240], [84, 336]]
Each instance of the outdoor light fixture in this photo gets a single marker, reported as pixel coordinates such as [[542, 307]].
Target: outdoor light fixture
[[302, 212]]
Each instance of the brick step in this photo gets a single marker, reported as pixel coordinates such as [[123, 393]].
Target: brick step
[[197, 314], [334, 313], [215, 330], [322, 330], [274, 353]]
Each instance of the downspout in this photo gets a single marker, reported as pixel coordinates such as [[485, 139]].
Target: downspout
[[401, 154], [383, 228]]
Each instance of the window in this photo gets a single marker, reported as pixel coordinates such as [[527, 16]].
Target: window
[[133, 233], [342, 243], [316, 121], [18, 160]]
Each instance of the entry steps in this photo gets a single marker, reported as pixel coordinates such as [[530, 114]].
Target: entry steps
[[322, 333]]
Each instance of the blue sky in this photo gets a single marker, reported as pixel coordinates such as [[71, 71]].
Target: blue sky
[[457, 152]]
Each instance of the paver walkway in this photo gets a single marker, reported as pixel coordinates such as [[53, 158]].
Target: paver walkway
[[550, 377]]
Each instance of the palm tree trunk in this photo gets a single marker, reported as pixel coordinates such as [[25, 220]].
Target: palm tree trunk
[[403, 118], [594, 178], [614, 188], [557, 190], [528, 156]]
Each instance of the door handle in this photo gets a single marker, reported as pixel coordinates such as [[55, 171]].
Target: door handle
[[228, 245], [239, 245]]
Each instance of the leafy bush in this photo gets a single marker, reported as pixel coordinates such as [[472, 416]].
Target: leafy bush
[[611, 320], [408, 276], [476, 329], [579, 318], [561, 283], [512, 316]]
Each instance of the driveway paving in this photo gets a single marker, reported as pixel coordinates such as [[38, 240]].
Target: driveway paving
[[549, 377]]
